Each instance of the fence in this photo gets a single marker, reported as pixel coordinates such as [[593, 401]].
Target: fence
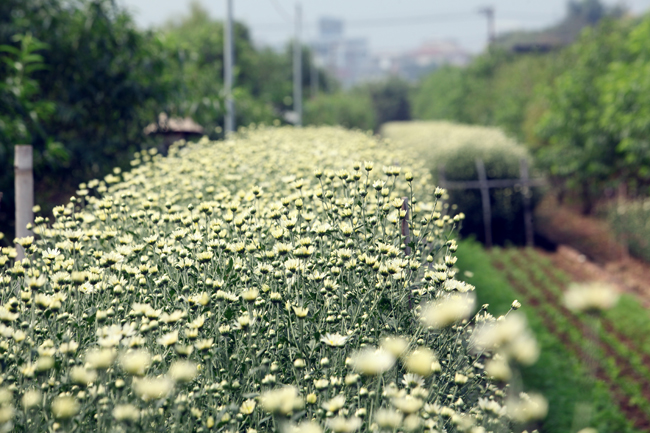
[[485, 184]]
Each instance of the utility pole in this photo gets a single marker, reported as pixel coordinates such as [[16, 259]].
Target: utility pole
[[228, 50], [488, 11], [297, 69], [313, 74]]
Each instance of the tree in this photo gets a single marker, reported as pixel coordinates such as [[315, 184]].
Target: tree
[[101, 76], [576, 148]]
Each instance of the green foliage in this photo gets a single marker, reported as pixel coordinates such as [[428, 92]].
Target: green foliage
[[496, 89], [579, 14], [348, 110], [367, 106], [439, 96], [577, 148], [630, 222], [456, 147], [83, 107], [390, 99]]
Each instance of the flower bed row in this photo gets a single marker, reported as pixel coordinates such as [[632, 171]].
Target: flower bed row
[[276, 281]]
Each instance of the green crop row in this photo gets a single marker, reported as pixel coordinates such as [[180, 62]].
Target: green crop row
[[628, 318], [548, 295], [559, 374]]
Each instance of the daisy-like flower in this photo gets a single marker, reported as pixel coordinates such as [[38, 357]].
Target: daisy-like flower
[[334, 340], [334, 404], [247, 407], [168, 339], [301, 312], [372, 361], [413, 380]]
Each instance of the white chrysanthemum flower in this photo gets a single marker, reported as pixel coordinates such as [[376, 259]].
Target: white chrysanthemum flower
[[448, 311], [411, 380], [388, 418], [100, 359], [419, 361], [153, 388], [407, 404], [527, 407], [126, 412], [304, 427], [490, 406], [247, 407], [183, 371], [65, 407], [32, 398], [494, 335], [498, 369], [372, 361], [590, 297], [395, 345], [335, 403], [282, 400], [334, 340], [340, 424], [168, 339], [82, 376], [136, 362]]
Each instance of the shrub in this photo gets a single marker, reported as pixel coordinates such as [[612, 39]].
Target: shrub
[[350, 111], [227, 287], [630, 221], [456, 147]]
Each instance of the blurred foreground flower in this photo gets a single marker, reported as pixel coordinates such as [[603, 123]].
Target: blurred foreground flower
[[283, 400], [590, 297], [447, 311], [527, 407], [372, 361]]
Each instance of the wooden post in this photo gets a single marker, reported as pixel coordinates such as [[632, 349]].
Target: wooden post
[[405, 226], [485, 199], [528, 214], [24, 184], [407, 239]]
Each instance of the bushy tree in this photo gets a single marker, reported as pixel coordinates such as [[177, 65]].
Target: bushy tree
[[345, 109], [578, 146], [101, 78]]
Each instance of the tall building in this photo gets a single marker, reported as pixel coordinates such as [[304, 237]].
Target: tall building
[[347, 59]]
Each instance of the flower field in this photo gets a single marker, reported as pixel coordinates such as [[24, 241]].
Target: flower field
[[281, 280]]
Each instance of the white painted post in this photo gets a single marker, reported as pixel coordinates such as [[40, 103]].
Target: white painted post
[[297, 68], [24, 184], [229, 60]]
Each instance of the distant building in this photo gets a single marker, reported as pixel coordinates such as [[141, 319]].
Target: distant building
[[413, 64], [347, 59]]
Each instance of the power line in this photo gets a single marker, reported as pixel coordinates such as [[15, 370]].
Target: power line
[[401, 21], [280, 10]]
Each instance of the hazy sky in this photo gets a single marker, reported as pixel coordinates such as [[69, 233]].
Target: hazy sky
[[388, 24]]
